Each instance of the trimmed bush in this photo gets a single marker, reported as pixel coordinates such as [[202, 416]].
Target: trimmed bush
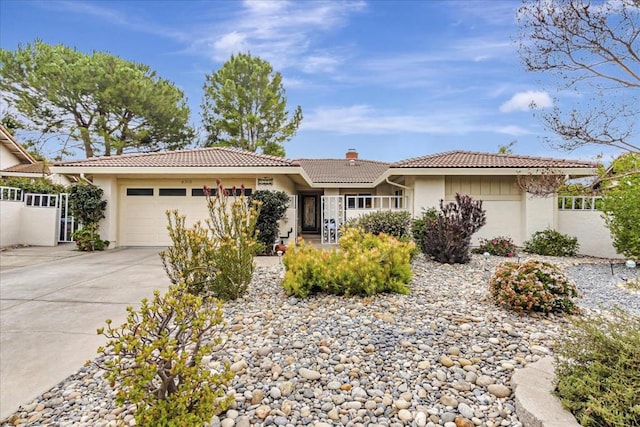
[[154, 360], [498, 246], [274, 206], [366, 264], [393, 223], [597, 370], [447, 238], [552, 243], [419, 226], [533, 286]]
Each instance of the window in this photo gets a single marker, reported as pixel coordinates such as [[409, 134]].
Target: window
[[238, 191], [399, 199], [173, 192], [139, 191], [351, 200], [364, 202]]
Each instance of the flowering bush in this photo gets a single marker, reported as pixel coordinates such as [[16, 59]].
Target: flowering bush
[[532, 286], [499, 246], [366, 264]]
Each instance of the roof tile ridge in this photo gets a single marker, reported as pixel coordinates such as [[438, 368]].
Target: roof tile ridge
[[254, 154]]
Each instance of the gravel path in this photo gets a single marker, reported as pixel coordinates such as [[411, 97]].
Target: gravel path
[[440, 355]]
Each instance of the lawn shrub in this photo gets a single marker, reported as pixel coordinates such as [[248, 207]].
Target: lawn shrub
[[215, 258], [552, 243], [597, 373], [420, 224], [393, 223], [87, 206], [532, 286], [274, 206], [365, 264], [498, 246], [154, 360], [447, 238]]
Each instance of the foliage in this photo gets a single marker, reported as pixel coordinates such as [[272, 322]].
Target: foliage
[[597, 373], [552, 243], [393, 223], [365, 264], [274, 206], [447, 238], [532, 286], [87, 206], [31, 185], [590, 49], [575, 189], [154, 360], [191, 257], [499, 246], [621, 209], [245, 107], [419, 226], [88, 239], [216, 259], [507, 148], [107, 103]]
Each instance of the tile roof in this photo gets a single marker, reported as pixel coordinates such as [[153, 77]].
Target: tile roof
[[342, 170], [38, 167], [201, 157], [470, 159]]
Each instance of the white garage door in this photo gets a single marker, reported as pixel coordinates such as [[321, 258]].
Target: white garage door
[[143, 219]]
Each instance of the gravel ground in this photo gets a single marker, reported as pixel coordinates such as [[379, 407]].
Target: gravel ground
[[442, 355]]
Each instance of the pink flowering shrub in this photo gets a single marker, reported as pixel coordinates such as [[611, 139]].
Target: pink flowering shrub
[[533, 286], [499, 246]]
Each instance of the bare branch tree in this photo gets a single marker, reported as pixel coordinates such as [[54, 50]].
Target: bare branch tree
[[594, 49]]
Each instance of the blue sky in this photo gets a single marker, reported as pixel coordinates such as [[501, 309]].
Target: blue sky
[[391, 79]]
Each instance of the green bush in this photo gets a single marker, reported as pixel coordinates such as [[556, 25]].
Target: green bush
[[498, 246], [393, 223], [419, 226], [365, 264], [154, 360], [621, 207], [216, 259], [33, 185], [274, 206], [532, 286], [552, 243], [88, 239], [597, 370], [87, 206]]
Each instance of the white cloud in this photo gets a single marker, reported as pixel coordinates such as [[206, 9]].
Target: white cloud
[[524, 101]]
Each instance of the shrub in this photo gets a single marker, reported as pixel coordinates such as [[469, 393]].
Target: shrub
[[87, 206], [274, 206], [216, 259], [419, 226], [393, 223], [552, 243], [31, 185], [532, 286], [499, 246], [597, 373], [154, 360], [447, 238], [366, 264], [621, 207]]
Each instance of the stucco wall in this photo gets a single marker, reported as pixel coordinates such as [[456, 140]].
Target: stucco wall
[[503, 219], [7, 159], [427, 192], [11, 224], [590, 229], [538, 214], [39, 226]]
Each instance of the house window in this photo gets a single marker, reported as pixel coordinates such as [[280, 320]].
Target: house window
[[173, 192], [399, 199], [238, 191], [364, 202], [351, 200], [139, 191]]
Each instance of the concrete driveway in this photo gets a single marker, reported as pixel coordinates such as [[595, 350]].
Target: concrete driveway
[[52, 300]]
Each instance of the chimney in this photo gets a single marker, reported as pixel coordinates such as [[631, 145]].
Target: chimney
[[352, 154]]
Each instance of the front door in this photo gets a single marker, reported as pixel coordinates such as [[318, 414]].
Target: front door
[[309, 213]]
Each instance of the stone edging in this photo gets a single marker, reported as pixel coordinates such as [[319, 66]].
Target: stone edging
[[536, 406]]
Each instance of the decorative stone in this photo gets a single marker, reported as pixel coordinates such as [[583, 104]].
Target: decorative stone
[[445, 361], [499, 390], [309, 374]]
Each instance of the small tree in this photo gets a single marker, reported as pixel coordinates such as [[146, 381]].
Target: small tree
[[448, 236], [87, 206], [154, 360], [621, 207], [274, 206]]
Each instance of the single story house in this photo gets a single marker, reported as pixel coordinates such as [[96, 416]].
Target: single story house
[[140, 188]]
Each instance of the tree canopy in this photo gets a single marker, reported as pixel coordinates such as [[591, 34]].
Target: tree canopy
[[245, 107], [594, 49], [108, 104]]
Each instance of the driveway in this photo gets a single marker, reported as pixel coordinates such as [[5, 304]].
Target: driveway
[[52, 300]]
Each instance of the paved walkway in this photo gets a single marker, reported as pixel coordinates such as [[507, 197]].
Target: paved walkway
[[52, 300]]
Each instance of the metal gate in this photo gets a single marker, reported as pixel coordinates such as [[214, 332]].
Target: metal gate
[[68, 224], [332, 214]]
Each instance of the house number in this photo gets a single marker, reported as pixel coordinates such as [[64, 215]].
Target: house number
[[185, 181]]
